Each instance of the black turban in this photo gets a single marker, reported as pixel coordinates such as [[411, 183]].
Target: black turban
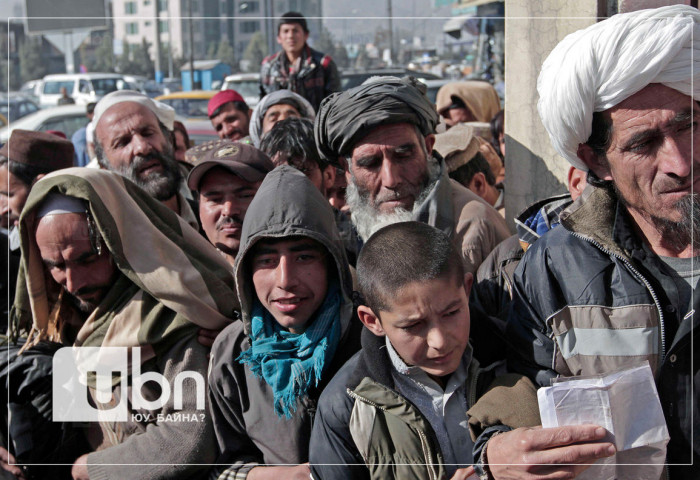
[[345, 117]]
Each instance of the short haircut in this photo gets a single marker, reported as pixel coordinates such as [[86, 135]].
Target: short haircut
[[91, 107], [24, 172], [238, 105], [466, 172], [294, 137], [403, 253], [601, 134], [293, 17]]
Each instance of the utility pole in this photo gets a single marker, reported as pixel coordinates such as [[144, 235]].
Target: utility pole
[[191, 47], [391, 32], [159, 71], [170, 42]]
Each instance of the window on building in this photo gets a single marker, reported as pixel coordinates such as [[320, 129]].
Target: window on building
[[146, 2], [130, 8], [162, 5], [250, 27], [132, 28], [162, 26]]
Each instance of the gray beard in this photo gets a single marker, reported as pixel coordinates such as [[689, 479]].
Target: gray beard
[[161, 186], [367, 219], [680, 235]]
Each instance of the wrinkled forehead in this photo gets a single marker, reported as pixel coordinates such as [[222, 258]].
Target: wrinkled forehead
[[64, 229], [386, 136], [125, 114]]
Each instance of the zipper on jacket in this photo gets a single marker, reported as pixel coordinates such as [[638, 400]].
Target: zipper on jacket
[[423, 439], [646, 283]]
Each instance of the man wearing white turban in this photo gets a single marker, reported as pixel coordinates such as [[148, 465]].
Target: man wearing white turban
[[618, 284]]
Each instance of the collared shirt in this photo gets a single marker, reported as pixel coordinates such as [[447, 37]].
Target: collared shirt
[[444, 408]]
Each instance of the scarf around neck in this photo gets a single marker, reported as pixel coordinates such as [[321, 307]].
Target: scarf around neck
[[291, 363]]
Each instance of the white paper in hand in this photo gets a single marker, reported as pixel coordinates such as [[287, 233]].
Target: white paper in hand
[[627, 405]]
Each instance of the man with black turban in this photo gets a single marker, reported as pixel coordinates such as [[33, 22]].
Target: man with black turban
[[385, 129]]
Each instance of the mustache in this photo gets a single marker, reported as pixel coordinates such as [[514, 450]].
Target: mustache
[[229, 220], [88, 290]]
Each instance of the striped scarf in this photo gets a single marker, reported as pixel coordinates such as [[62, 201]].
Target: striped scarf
[[291, 363]]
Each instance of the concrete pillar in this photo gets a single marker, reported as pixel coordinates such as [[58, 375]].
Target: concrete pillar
[[533, 168]]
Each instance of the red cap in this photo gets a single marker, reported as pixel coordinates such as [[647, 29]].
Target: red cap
[[224, 96], [58, 133]]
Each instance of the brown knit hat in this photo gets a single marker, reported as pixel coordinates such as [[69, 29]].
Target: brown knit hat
[[242, 160], [39, 149]]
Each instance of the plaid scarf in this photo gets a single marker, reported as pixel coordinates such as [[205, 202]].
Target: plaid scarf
[[291, 363]]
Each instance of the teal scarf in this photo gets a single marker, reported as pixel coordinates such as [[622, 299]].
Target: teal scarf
[[290, 363]]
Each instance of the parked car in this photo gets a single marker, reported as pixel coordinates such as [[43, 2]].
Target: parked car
[[189, 104], [199, 131], [353, 78], [31, 89], [83, 87], [171, 85], [247, 84], [14, 107], [64, 118]]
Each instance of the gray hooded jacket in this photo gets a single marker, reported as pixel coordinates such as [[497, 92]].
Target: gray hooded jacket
[[248, 431]]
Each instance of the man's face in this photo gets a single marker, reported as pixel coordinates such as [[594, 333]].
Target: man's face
[[291, 279], [390, 167], [223, 200], [277, 113], [456, 115], [13, 195], [336, 194], [427, 323], [292, 38], [134, 145], [64, 245], [654, 155], [180, 146], [231, 123], [321, 179]]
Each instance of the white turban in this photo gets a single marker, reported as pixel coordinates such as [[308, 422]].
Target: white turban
[[275, 98], [165, 113], [600, 66]]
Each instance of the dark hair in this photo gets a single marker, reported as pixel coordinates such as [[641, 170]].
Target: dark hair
[[601, 134], [294, 137], [292, 17], [91, 107], [237, 104], [466, 172], [24, 172], [403, 253], [497, 126]]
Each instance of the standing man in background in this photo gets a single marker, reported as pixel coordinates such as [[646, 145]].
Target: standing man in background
[[298, 67]]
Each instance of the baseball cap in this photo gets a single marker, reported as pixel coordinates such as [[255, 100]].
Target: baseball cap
[[224, 96], [241, 159]]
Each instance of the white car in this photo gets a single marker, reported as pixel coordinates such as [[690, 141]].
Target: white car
[[247, 84], [65, 118], [82, 87]]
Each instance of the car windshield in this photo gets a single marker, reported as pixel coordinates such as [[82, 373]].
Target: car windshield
[[247, 88], [54, 87], [103, 86], [189, 107]]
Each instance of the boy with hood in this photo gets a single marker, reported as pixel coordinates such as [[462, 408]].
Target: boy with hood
[[267, 371]]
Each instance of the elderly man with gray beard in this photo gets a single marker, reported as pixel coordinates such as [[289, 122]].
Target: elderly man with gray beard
[[385, 129], [134, 137]]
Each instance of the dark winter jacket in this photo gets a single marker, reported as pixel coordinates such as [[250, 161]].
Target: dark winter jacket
[[590, 298], [365, 429]]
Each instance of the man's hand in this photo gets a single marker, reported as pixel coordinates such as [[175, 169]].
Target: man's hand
[[466, 473], [6, 458], [206, 337], [80, 469], [546, 453]]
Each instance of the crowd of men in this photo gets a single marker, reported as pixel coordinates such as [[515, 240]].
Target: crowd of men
[[328, 291]]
